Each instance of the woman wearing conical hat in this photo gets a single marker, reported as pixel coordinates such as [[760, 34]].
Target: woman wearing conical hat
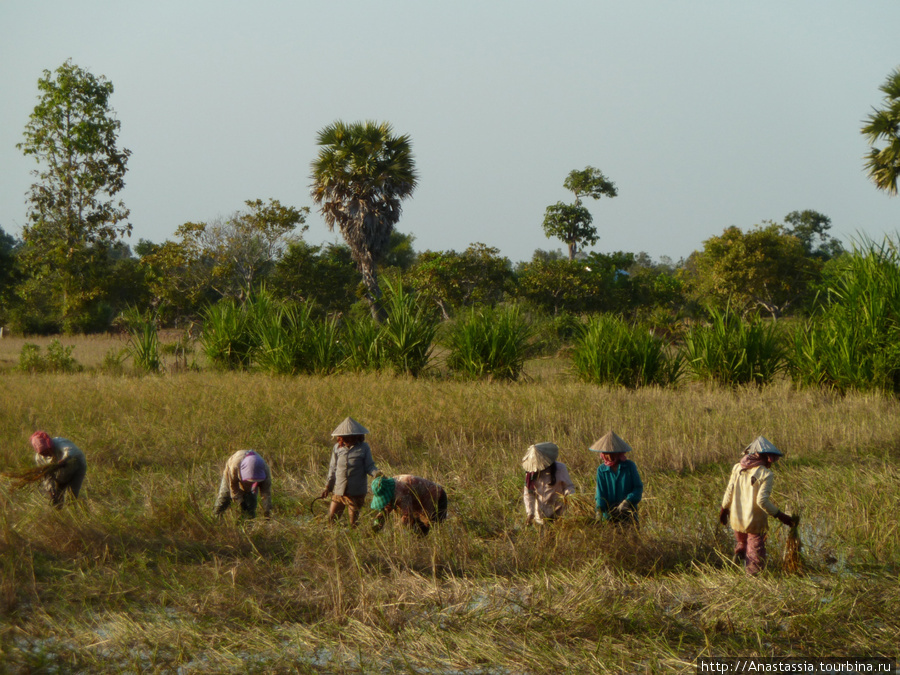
[[547, 484], [619, 486], [351, 462], [747, 503]]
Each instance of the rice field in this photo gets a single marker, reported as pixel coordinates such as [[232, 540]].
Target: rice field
[[139, 577]]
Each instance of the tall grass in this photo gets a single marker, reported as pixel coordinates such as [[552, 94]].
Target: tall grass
[[143, 346], [291, 340], [853, 340], [363, 345], [610, 351], [407, 335], [228, 339], [490, 342], [732, 350]]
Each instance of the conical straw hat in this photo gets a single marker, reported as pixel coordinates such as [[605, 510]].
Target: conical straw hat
[[540, 456], [611, 443], [350, 427], [762, 446]]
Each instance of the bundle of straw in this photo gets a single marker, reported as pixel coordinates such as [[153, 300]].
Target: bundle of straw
[[793, 563], [27, 477]]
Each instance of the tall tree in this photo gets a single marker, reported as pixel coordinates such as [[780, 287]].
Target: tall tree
[[573, 222], [811, 228], [360, 176], [451, 280], [222, 258], [73, 215], [766, 268], [883, 164]]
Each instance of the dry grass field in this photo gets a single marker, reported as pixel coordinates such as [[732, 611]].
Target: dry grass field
[[139, 577]]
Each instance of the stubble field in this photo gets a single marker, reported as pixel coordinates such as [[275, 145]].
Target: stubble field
[[139, 577]]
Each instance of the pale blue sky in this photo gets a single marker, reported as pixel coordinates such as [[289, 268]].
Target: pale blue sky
[[706, 113]]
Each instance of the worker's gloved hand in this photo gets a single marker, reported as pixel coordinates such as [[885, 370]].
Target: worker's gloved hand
[[723, 515], [785, 518]]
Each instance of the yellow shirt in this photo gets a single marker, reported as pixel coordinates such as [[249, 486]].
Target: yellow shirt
[[748, 498]]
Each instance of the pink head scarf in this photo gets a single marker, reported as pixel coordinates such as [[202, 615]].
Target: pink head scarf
[[40, 441], [253, 469]]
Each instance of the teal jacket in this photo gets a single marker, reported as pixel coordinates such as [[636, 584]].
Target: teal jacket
[[614, 487]]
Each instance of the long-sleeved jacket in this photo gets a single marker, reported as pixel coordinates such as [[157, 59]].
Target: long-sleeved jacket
[[72, 474], [545, 500], [613, 487], [348, 469], [418, 499], [748, 498], [231, 482]]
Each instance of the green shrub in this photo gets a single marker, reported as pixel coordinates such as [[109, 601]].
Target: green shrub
[[291, 340], [363, 344], [610, 351], [852, 341], [143, 339], [490, 343], [229, 336], [408, 332], [57, 360], [553, 332], [733, 351]]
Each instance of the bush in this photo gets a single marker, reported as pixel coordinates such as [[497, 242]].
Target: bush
[[363, 344], [852, 341], [490, 343], [291, 340], [734, 351], [143, 339], [229, 336], [610, 351], [554, 332], [58, 359], [408, 332]]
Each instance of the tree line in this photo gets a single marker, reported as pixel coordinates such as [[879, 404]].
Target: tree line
[[72, 272]]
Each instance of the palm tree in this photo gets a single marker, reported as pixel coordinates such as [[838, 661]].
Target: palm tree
[[360, 176], [883, 164]]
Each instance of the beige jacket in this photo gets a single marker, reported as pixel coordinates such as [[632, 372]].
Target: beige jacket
[[72, 474], [748, 498], [546, 501], [231, 481]]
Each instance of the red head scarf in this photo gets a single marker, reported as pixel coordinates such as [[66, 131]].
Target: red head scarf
[[40, 441]]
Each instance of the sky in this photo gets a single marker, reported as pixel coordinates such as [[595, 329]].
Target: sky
[[705, 114]]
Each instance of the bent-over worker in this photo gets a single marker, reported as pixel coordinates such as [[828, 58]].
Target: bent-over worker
[[419, 502], [246, 475], [70, 460]]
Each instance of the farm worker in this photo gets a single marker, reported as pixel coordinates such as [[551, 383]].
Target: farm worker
[[68, 457], [351, 461], [619, 486], [547, 484], [246, 476], [419, 502], [748, 501]]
